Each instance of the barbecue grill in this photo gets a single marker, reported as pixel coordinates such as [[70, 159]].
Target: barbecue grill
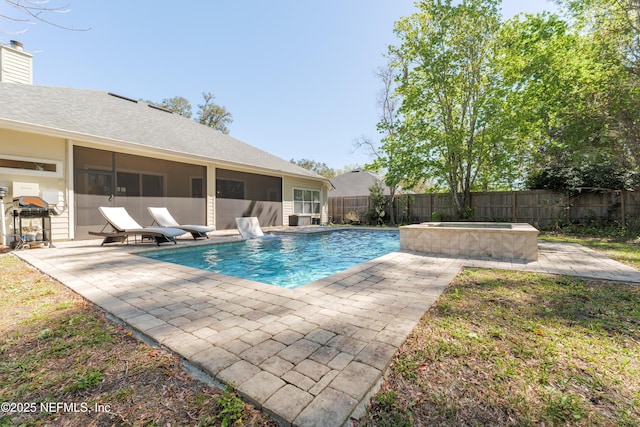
[[31, 222]]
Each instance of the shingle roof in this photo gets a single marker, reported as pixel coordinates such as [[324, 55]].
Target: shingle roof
[[100, 114], [355, 183]]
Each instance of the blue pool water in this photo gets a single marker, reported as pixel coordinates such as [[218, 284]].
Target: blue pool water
[[287, 260]]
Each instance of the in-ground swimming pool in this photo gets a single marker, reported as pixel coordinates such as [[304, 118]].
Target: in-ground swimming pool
[[287, 260]]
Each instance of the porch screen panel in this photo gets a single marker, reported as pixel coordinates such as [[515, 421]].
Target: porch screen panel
[[241, 194], [105, 178]]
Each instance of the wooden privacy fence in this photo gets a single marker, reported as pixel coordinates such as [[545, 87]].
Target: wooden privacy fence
[[541, 208]]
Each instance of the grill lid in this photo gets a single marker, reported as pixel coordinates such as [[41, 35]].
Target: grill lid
[[30, 202]]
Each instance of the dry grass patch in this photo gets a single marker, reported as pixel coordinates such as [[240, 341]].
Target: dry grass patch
[[515, 349], [55, 349]]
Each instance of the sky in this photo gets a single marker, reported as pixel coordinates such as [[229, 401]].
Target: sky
[[298, 76]]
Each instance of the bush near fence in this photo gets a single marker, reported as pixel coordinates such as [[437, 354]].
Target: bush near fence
[[544, 209]]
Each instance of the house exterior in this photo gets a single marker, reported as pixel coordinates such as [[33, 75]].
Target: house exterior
[[356, 183], [82, 149]]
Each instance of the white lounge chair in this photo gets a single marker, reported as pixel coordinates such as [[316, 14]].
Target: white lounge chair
[[249, 227], [163, 218], [123, 225]]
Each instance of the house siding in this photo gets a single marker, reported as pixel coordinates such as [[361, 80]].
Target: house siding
[[28, 145], [15, 66], [287, 197]]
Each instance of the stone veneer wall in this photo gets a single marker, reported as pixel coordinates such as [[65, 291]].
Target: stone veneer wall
[[476, 240]]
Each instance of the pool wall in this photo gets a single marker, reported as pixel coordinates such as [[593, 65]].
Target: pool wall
[[518, 241]]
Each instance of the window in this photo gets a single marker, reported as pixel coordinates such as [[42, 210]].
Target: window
[[94, 183], [30, 166], [152, 186], [197, 187], [306, 202], [135, 185], [229, 189], [128, 184]]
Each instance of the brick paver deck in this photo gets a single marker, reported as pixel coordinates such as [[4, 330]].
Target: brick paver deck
[[310, 356]]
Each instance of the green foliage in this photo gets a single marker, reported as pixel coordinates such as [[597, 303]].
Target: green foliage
[[584, 233], [213, 115], [231, 407], [611, 92], [467, 213], [178, 105], [89, 379], [352, 217], [597, 173], [209, 113], [317, 167], [451, 124], [563, 408], [574, 95], [482, 104], [377, 204], [390, 412]]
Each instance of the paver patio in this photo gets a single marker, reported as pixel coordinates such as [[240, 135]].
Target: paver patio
[[309, 356]]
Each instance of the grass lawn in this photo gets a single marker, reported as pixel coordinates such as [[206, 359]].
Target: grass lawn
[[55, 349], [515, 349]]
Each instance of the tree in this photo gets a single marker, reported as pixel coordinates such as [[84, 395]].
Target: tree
[[395, 147], [27, 11], [576, 98], [178, 105], [452, 122], [213, 115], [317, 167], [612, 29], [209, 113], [568, 174], [377, 204]]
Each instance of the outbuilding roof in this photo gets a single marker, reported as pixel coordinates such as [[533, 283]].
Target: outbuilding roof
[[91, 115], [358, 182], [355, 183]]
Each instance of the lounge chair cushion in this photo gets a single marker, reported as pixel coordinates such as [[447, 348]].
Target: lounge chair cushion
[[163, 218], [121, 221]]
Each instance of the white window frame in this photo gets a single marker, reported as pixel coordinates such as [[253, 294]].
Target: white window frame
[[312, 213], [16, 171]]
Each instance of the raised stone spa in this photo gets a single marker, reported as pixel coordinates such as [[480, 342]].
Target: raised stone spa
[[517, 241]]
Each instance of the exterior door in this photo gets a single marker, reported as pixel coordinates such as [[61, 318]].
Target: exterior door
[[92, 189]]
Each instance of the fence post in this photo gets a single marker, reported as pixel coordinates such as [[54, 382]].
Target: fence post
[[514, 216]]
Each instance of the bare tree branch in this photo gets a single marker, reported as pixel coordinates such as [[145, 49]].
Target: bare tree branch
[[366, 143], [37, 10]]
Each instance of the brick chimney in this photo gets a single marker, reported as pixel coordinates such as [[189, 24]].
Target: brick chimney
[[16, 65]]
